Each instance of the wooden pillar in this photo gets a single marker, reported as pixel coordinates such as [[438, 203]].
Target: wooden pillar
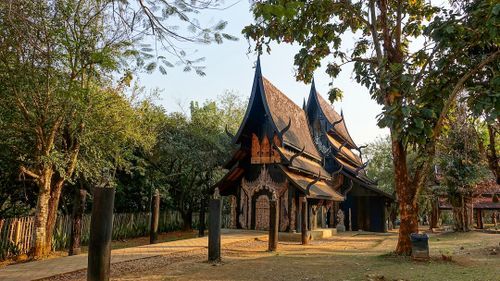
[[309, 217], [273, 224], [323, 217], [384, 215], [314, 217], [76, 225], [305, 234], [479, 219], [201, 218], [350, 220], [214, 235], [298, 215], [155, 216], [101, 227]]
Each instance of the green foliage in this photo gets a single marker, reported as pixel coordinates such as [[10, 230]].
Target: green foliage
[[462, 165], [380, 168], [190, 151], [7, 249], [412, 85]]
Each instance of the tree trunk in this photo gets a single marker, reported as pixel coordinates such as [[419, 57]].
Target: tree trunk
[[406, 192], [41, 215], [433, 222], [187, 220], [492, 155], [76, 226], [55, 195], [461, 214], [201, 224]]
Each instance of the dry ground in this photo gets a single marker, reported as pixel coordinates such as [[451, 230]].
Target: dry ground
[[350, 256], [115, 244]]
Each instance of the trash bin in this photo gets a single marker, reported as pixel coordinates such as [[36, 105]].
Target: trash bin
[[419, 246]]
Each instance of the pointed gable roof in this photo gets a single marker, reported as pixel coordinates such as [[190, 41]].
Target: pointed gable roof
[[340, 129], [282, 110]]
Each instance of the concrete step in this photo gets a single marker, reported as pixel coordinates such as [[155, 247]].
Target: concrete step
[[316, 234]]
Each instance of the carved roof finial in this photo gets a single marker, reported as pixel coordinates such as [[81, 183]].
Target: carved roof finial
[[339, 170], [297, 155], [258, 70], [313, 182], [284, 130]]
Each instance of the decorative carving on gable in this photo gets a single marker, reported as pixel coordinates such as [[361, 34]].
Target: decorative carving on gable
[[264, 181], [263, 152]]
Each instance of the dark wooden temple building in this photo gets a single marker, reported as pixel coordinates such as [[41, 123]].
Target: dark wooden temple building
[[365, 205], [301, 157]]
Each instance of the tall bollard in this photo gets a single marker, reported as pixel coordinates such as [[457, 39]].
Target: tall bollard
[[101, 227], [155, 216], [273, 224], [305, 234], [215, 213]]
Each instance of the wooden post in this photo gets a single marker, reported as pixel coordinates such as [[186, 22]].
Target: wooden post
[[101, 227], [479, 219], [309, 217], [298, 215], [323, 217], [350, 220], [331, 221], [305, 234], [273, 224], [155, 216], [76, 226], [17, 232], [201, 219], [214, 235]]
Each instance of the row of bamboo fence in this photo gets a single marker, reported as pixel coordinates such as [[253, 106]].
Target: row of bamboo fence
[[17, 234]]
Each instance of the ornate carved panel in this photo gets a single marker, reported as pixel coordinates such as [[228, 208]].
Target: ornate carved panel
[[232, 199], [250, 188], [263, 152]]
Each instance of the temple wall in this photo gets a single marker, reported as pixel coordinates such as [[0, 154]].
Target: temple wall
[[253, 202]]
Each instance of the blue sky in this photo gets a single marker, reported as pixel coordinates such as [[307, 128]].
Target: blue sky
[[230, 67]]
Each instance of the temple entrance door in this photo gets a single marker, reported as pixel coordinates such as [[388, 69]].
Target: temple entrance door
[[260, 209], [262, 213]]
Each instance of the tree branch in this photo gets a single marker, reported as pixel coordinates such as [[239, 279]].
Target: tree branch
[[28, 172], [420, 175]]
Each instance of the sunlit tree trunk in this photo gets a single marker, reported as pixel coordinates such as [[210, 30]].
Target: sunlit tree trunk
[[41, 248], [406, 191]]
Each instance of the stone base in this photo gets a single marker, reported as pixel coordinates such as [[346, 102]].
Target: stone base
[[340, 228], [316, 234]]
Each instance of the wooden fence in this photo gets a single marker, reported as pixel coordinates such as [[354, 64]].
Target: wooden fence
[[16, 234]]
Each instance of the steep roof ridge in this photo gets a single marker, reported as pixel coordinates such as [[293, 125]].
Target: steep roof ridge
[[273, 95], [332, 116]]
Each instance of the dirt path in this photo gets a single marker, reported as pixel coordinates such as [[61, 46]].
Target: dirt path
[[47, 268], [349, 256]]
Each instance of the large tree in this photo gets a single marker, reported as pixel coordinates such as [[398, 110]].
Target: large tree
[[462, 166], [191, 150], [414, 57], [60, 96]]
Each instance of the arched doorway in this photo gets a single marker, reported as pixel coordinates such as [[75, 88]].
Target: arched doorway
[[262, 213], [260, 210]]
